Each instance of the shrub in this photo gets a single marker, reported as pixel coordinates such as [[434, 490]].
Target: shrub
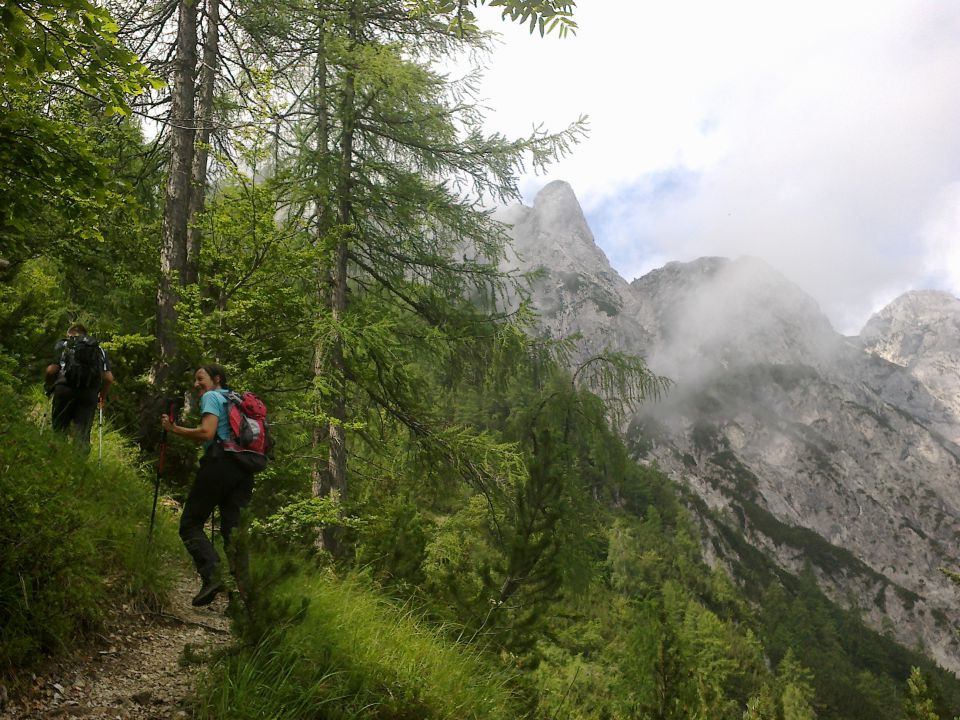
[[73, 535]]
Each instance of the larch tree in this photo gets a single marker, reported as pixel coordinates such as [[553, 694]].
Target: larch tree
[[388, 165]]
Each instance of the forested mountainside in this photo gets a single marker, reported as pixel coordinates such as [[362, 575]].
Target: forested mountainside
[[832, 455], [471, 510]]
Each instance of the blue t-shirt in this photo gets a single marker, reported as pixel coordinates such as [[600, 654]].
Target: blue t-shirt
[[214, 402]]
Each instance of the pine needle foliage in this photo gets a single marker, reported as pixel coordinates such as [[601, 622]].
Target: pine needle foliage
[[622, 381]]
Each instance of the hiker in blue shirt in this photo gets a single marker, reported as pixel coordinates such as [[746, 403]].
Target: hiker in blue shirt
[[220, 482]]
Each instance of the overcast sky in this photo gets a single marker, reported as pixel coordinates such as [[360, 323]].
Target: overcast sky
[[823, 137]]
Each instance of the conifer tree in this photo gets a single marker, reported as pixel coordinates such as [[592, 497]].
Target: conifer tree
[[388, 171], [796, 693], [918, 705], [762, 706]]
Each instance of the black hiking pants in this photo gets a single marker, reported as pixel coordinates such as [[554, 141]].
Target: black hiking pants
[[73, 412], [221, 483]]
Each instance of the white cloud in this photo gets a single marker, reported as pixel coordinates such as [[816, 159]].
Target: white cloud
[[941, 239], [818, 136]]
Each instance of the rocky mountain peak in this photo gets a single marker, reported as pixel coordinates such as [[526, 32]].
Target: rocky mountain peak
[[719, 312], [554, 233], [916, 322], [681, 274], [558, 200], [920, 332], [576, 290]]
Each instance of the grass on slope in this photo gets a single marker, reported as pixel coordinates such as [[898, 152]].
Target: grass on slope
[[350, 653], [74, 536]]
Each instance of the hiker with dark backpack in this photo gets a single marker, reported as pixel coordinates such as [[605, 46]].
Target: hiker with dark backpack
[[79, 381], [225, 476]]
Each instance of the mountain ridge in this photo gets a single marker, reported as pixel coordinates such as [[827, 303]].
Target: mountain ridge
[[838, 453]]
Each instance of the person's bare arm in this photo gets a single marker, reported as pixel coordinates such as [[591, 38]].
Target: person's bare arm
[[206, 430], [106, 380]]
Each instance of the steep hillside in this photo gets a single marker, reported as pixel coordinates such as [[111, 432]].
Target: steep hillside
[[826, 452]]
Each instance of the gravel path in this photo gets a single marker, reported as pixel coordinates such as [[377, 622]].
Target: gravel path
[[142, 666]]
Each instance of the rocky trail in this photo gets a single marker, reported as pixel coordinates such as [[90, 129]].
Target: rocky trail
[[141, 666]]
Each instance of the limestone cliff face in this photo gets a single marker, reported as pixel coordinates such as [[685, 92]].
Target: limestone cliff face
[[824, 451], [920, 332]]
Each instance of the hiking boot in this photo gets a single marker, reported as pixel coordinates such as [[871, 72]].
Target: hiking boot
[[209, 590]]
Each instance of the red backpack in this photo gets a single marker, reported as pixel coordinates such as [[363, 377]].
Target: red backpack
[[250, 443]]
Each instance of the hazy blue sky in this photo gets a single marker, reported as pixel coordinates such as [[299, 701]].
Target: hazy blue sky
[[823, 137]]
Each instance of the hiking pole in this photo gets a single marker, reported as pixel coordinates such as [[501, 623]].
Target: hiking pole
[[156, 486], [100, 458]]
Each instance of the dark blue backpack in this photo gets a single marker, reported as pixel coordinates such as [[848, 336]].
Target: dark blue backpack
[[82, 362]]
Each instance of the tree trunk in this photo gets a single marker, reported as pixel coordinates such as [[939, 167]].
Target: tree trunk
[[198, 186], [338, 306], [323, 483], [320, 476], [176, 208], [333, 481]]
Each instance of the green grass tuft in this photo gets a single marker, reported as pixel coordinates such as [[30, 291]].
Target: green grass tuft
[[351, 653]]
